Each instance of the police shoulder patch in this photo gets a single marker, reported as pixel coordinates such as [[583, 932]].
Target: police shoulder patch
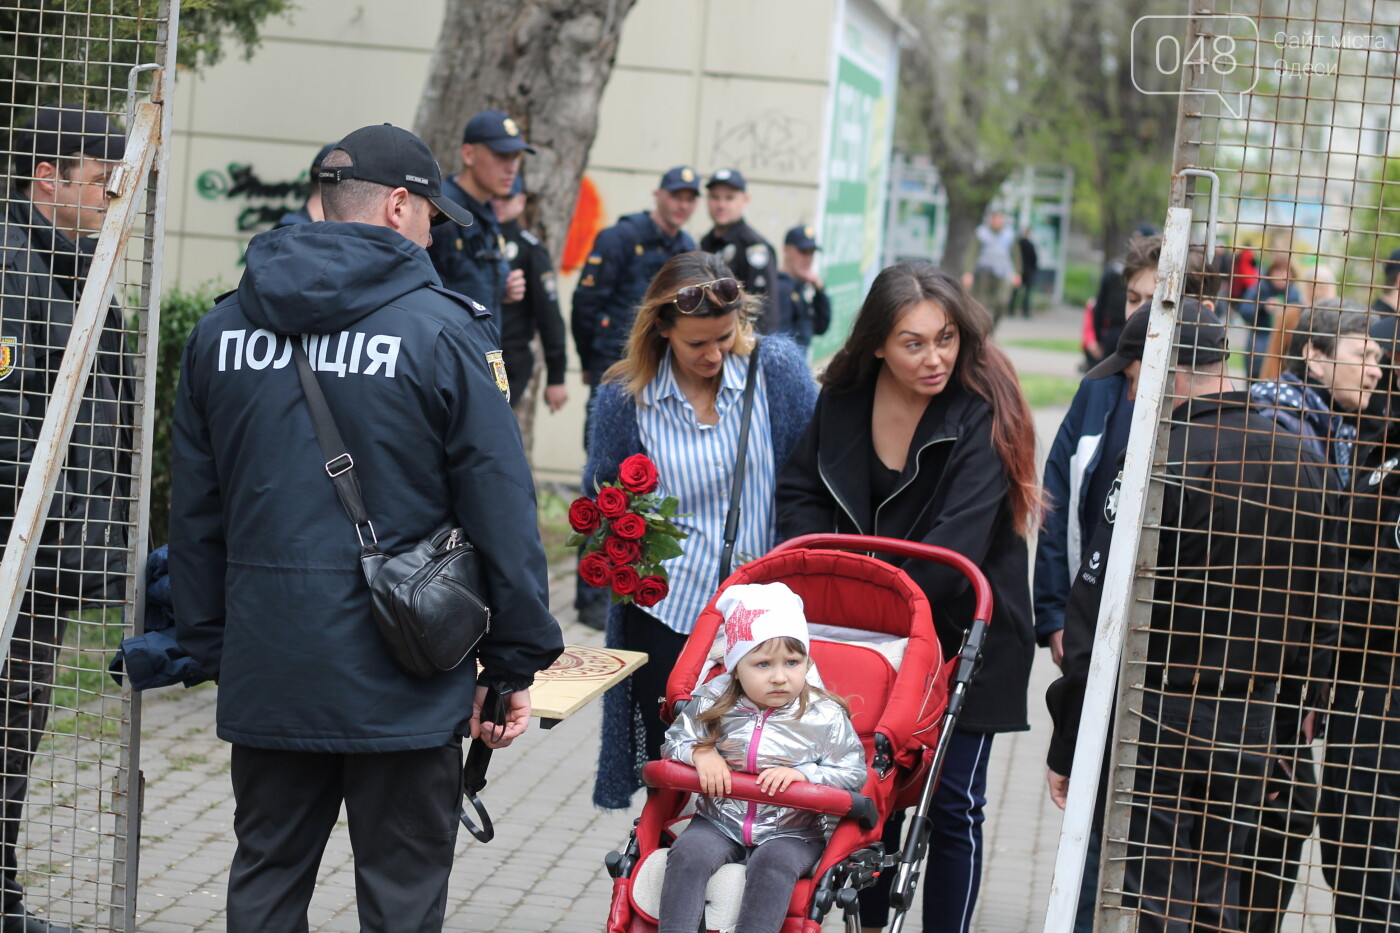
[[757, 256], [9, 349], [728, 252], [529, 237], [497, 361], [547, 280], [511, 251]]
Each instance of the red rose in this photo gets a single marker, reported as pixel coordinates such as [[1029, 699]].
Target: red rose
[[625, 581], [620, 551], [651, 591], [630, 526], [612, 501], [638, 474], [583, 515], [595, 569]]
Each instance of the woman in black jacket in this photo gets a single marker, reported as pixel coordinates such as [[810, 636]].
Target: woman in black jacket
[[922, 433]]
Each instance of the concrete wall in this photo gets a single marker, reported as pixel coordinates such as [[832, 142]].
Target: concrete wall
[[712, 83]]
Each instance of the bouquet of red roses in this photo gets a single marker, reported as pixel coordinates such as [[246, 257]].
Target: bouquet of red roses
[[626, 532]]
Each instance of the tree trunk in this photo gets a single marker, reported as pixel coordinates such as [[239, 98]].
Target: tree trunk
[[966, 205], [545, 63]]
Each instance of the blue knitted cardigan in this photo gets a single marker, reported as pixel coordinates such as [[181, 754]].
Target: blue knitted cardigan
[[613, 437]]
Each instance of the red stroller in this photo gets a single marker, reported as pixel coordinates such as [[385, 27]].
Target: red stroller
[[873, 642]]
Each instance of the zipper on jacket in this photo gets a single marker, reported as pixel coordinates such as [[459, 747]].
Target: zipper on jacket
[[918, 465], [753, 769]]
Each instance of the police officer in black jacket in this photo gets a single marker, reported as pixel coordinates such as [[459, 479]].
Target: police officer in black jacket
[[269, 596], [744, 250], [62, 158], [1240, 616], [803, 310], [471, 259], [624, 259], [537, 312]]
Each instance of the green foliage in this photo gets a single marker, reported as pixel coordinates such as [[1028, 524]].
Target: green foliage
[[62, 50], [179, 312], [1048, 391], [1376, 227], [1081, 283]]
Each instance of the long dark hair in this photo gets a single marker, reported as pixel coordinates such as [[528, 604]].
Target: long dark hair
[[982, 368]]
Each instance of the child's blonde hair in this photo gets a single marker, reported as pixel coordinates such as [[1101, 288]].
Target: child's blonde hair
[[710, 718]]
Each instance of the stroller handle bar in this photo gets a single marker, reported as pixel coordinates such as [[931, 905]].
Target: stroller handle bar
[[900, 548], [676, 775]]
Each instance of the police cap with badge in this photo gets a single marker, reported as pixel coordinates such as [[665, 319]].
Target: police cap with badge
[[728, 176], [681, 178], [391, 156], [498, 131], [801, 238]]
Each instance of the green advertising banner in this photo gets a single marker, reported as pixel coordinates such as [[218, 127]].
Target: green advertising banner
[[858, 153]]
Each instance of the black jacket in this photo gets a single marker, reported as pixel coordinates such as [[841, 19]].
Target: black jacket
[[624, 259], [752, 260], [952, 494], [798, 316], [269, 597], [538, 312], [83, 545], [471, 260], [1244, 592], [1368, 644]]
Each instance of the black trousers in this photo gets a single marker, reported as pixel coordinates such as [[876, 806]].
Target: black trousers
[[402, 812], [1359, 810], [1200, 779], [643, 632], [1285, 823], [26, 688]]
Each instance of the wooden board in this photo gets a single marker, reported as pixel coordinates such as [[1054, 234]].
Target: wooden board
[[580, 675]]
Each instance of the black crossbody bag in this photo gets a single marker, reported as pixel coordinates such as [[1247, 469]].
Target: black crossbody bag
[[427, 602]]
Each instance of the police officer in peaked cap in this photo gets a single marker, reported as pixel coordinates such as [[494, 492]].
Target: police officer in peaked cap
[[749, 256]]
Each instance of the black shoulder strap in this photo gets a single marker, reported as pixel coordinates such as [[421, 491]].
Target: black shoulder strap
[[340, 466], [731, 521]]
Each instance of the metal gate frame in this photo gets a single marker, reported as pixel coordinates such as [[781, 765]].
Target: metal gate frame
[[141, 179]]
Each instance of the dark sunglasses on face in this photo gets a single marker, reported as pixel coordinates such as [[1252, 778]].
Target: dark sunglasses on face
[[722, 292]]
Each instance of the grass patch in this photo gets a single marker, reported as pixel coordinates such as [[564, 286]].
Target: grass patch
[[1081, 283], [1054, 344], [1048, 391], [554, 526]]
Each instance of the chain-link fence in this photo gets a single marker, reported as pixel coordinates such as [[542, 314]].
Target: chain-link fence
[[1245, 668], [84, 151]]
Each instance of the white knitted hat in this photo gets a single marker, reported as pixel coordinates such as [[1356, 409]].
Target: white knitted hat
[[756, 612]]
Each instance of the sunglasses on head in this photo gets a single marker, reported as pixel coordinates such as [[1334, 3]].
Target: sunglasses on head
[[722, 291]]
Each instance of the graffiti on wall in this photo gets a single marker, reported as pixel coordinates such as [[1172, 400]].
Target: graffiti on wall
[[241, 182], [773, 143]]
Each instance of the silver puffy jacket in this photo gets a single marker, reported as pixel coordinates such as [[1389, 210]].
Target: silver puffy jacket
[[822, 745]]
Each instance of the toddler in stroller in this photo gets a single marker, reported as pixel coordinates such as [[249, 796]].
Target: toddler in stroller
[[872, 640], [763, 718]]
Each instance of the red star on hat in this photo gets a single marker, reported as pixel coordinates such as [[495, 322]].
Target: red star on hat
[[739, 626]]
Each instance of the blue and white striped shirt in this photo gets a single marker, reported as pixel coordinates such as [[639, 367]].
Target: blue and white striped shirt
[[696, 464]]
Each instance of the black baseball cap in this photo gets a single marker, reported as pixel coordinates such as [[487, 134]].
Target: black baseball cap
[[730, 177], [55, 132], [496, 130], [681, 178], [392, 156], [803, 238], [1202, 339], [1391, 268]]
